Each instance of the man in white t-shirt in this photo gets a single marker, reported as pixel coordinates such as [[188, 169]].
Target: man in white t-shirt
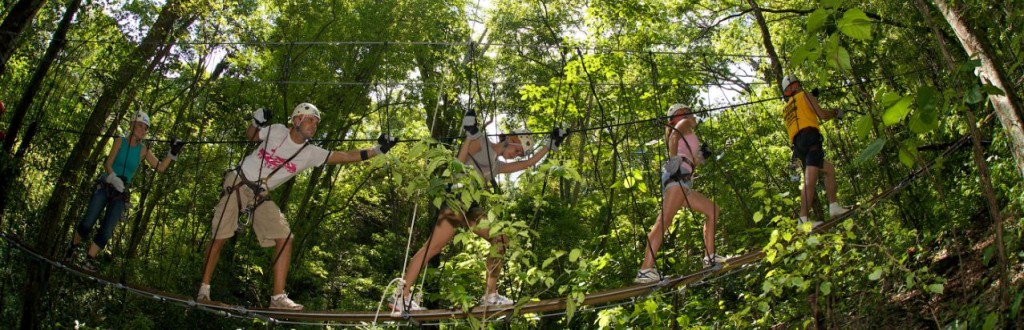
[[283, 152]]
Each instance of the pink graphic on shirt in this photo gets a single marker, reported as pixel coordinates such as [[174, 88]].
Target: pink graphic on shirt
[[271, 161]]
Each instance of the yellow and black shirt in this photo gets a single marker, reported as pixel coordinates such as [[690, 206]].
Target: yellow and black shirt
[[798, 114]]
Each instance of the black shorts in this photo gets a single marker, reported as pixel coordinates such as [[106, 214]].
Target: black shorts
[[807, 147]]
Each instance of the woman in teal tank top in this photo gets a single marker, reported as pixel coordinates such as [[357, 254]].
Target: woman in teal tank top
[[111, 188]]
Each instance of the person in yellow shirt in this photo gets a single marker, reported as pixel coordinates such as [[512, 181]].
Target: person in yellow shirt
[[801, 115]]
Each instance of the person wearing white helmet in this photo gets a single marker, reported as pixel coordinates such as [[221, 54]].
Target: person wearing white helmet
[[481, 154], [111, 188], [282, 153], [685, 154], [802, 114]]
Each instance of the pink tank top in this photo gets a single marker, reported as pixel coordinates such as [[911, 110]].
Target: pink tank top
[[688, 148]]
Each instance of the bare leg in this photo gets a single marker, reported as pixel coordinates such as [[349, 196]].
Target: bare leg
[[495, 261], [282, 264], [673, 201], [807, 195], [213, 253], [443, 233], [77, 240], [830, 182], [694, 200]]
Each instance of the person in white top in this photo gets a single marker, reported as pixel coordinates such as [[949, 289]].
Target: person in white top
[[482, 155], [283, 152]]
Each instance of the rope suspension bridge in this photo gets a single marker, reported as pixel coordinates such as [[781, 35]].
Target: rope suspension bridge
[[543, 308], [594, 300]]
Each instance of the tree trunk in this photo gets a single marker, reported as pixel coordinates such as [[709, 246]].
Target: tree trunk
[[1008, 106], [18, 18], [56, 46], [766, 38], [160, 33], [21, 109]]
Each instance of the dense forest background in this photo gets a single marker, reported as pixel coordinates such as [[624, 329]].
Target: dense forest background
[[914, 78]]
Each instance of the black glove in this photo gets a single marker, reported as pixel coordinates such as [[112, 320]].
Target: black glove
[[556, 138], [176, 146], [469, 123], [385, 142], [705, 151], [260, 117]]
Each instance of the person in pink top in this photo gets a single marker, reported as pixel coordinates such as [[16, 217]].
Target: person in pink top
[[685, 155]]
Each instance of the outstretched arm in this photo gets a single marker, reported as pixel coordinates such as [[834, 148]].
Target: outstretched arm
[[823, 114], [523, 164], [384, 143], [352, 156], [152, 160]]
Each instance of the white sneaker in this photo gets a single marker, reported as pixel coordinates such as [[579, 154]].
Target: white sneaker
[[814, 224], [281, 301], [495, 299], [834, 210], [399, 306], [645, 276], [204, 292], [714, 261]]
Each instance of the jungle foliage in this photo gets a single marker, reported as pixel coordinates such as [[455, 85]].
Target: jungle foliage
[[928, 256]]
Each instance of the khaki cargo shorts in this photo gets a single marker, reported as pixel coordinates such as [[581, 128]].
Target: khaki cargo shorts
[[268, 222]]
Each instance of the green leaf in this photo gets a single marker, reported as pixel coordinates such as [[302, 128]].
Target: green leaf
[[969, 65], [831, 3], [812, 241], [990, 321], [758, 216], [762, 306], [574, 255], [1015, 308], [799, 56], [816, 19], [906, 158], [992, 90], [839, 58], [924, 120], [936, 288], [547, 262], [974, 96], [864, 126], [889, 99], [873, 149], [855, 24], [875, 275], [628, 182], [826, 288], [897, 112]]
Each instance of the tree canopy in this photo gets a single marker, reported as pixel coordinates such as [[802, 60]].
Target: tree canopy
[[913, 79]]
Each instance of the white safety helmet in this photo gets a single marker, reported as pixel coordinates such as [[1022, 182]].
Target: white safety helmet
[[788, 80], [141, 117], [306, 109], [676, 107], [525, 138]]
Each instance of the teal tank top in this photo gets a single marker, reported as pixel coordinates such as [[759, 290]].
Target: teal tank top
[[127, 160]]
